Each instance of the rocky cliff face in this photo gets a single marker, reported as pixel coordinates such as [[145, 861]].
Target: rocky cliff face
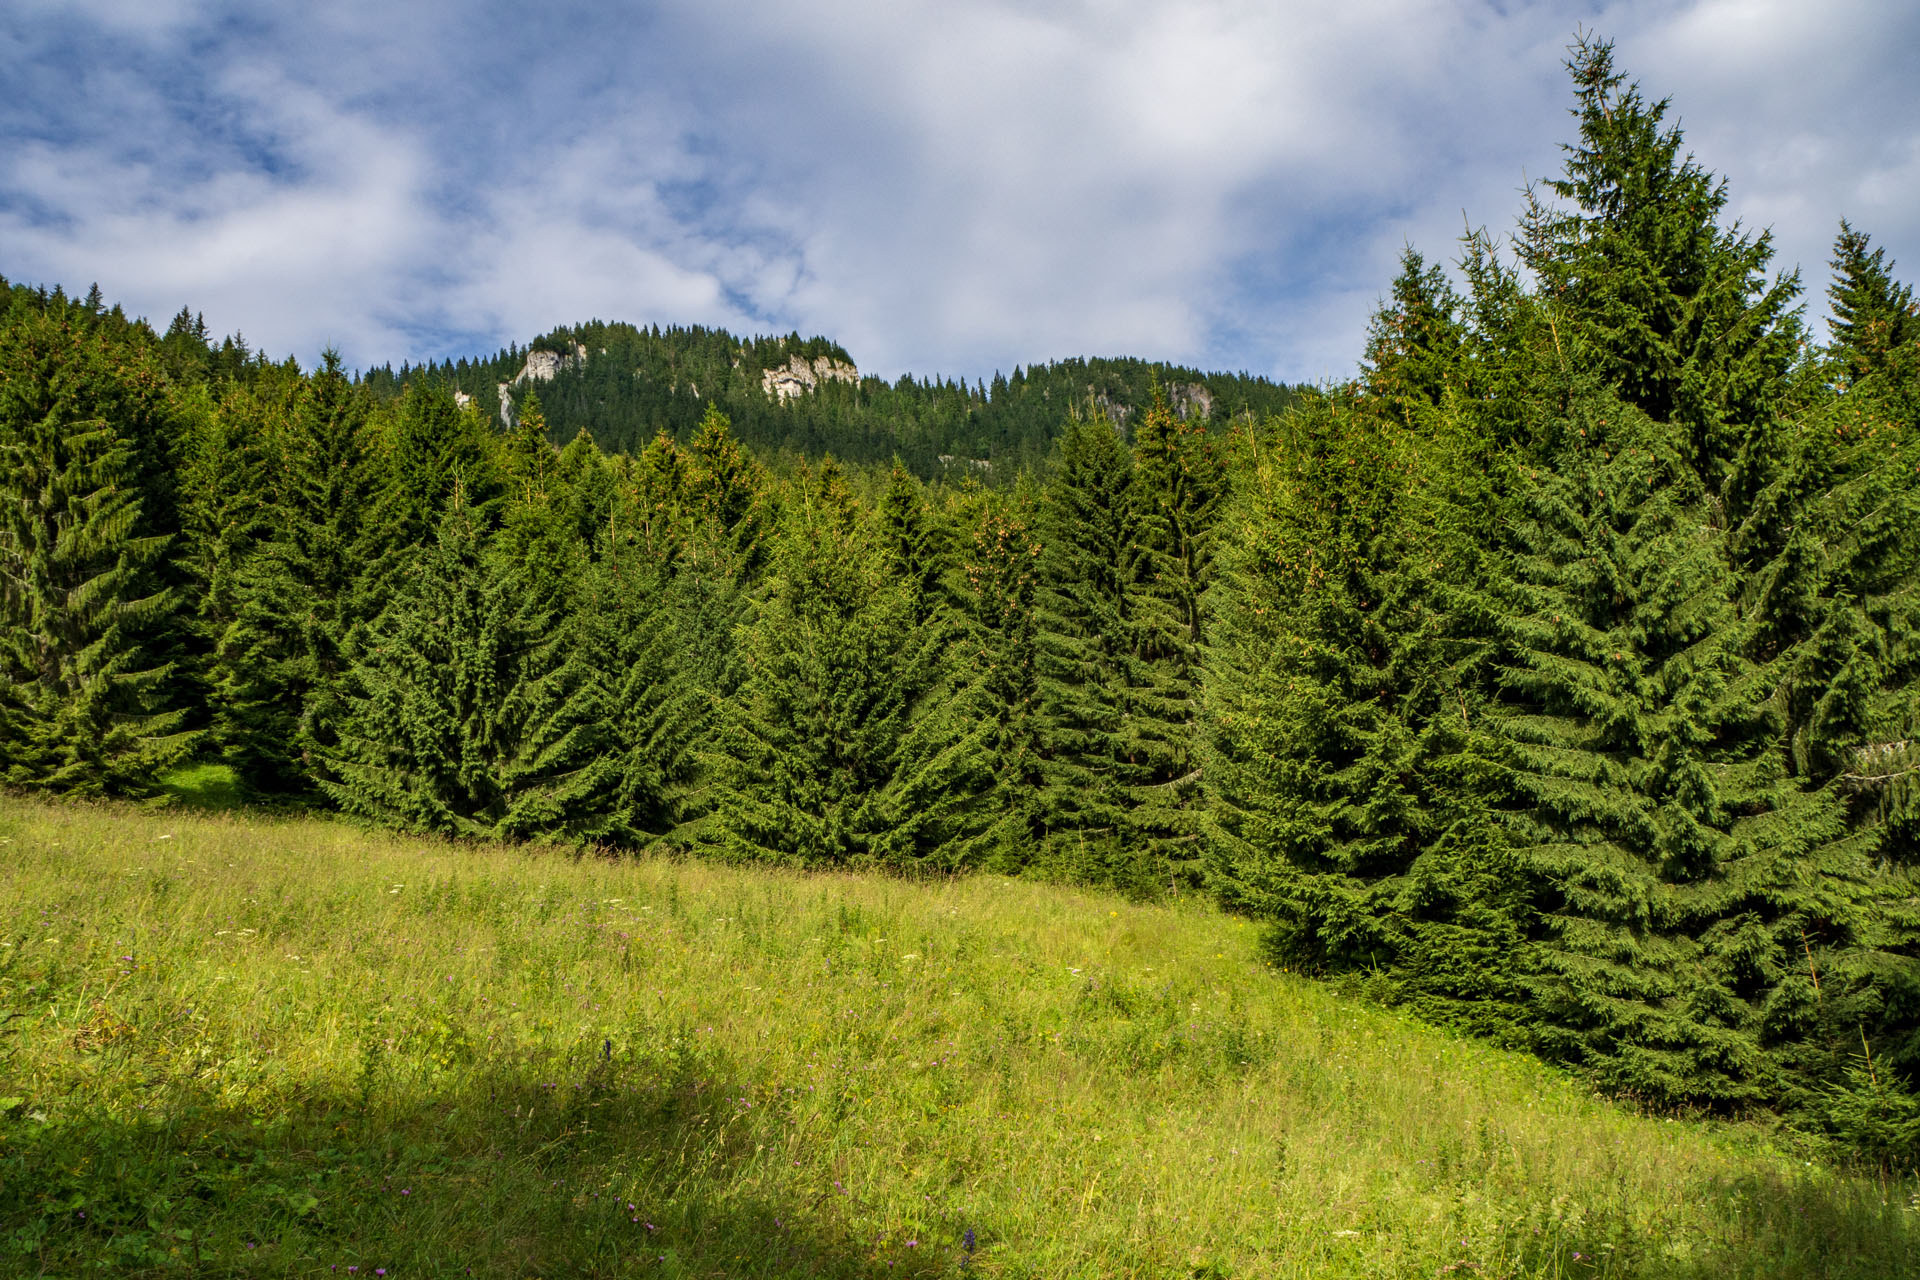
[[799, 376], [541, 366], [1190, 400]]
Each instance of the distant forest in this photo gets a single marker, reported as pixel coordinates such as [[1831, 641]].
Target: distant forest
[[1553, 678], [624, 385]]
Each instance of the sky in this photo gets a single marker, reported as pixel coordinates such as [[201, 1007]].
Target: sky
[[953, 187]]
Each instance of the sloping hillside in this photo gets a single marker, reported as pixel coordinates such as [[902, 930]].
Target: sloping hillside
[[623, 384], [243, 1046]]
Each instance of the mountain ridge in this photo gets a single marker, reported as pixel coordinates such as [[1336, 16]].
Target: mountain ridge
[[623, 384]]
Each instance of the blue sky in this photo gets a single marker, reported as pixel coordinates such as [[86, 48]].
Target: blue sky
[[951, 187]]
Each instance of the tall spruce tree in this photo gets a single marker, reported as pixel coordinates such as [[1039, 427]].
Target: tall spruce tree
[[1876, 322], [84, 703], [1835, 597], [653, 703], [432, 446], [843, 746], [1178, 484], [227, 513], [1668, 307], [1087, 639], [1346, 782], [730, 494], [997, 653], [320, 574], [1414, 341], [910, 541], [1675, 866], [470, 709]]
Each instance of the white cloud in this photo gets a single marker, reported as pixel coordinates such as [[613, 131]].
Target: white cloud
[[943, 187]]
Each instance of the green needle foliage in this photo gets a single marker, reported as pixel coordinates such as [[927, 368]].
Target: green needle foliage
[[844, 745], [1347, 784], [1669, 308], [998, 648], [469, 712], [1178, 485], [1654, 818], [85, 706], [319, 575], [1087, 632]]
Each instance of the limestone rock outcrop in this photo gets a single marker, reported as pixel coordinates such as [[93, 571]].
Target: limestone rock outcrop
[[540, 366], [1190, 400], [799, 376]]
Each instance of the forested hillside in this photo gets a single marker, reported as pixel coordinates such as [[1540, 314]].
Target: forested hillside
[[624, 385], [1555, 677]]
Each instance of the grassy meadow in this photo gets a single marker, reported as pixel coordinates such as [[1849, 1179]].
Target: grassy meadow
[[241, 1045]]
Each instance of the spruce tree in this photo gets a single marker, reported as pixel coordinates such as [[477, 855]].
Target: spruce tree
[[1675, 866], [658, 518], [842, 746], [433, 446], [1090, 569], [910, 542], [1835, 598], [997, 654], [652, 701], [529, 462], [470, 709], [1669, 308], [539, 529], [319, 575], [1178, 486], [227, 494], [84, 705], [729, 493], [1414, 341], [1345, 780], [1875, 319]]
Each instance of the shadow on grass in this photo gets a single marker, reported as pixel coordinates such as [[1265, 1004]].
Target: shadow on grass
[[628, 1164], [1779, 1228]]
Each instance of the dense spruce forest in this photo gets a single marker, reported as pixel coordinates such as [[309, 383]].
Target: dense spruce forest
[[625, 385], [1554, 677]]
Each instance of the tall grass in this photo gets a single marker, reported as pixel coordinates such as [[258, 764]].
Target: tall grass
[[242, 1046]]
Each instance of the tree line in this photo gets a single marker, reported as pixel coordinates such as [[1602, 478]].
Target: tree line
[[1553, 678], [624, 384]]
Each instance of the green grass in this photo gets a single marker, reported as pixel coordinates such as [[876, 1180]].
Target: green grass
[[203, 785], [245, 1046]]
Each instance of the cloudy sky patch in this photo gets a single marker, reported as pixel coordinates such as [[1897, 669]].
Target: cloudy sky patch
[[947, 187]]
